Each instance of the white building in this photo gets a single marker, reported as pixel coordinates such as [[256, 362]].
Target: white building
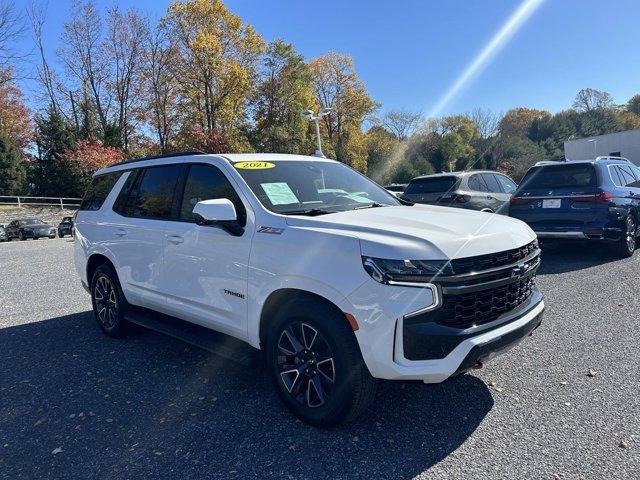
[[622, 144]]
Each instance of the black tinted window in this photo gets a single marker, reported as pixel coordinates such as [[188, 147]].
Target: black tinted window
[[97, 192], [491, 182], [206, 182], [560, 176], [152, 194], [430, 185], [476, 183]]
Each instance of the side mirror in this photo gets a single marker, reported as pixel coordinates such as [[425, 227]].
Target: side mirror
[[218, 212]]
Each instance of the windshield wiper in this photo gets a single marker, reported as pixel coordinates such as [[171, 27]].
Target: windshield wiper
[[312, 212], [372, 205]]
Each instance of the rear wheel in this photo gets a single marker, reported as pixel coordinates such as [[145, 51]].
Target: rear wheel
[[628, 242], [318, 370], [109, 304]]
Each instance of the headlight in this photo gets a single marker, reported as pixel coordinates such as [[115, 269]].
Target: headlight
[[405, 271]]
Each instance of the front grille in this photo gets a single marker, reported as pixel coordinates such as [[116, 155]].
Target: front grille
[[462, 266], [477, 308]]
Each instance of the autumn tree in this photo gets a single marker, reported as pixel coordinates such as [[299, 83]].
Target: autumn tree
[[633, 105], [380, 145], [84, 58], [401, 123], [283, 93], [216, 64], [87, 156], [517, 121], [124, 45], [160, 85], [15, 116], [11, 28], [338, 86], [589, 99]]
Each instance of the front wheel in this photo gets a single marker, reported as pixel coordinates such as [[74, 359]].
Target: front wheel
[[21, 236], [109, 304], [317, 366], [628, 242]]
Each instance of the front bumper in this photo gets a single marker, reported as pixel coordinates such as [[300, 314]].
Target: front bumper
[[380, 311]]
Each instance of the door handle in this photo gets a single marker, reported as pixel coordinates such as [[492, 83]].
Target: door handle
[[489, 197], [121, 232], [175, 239]]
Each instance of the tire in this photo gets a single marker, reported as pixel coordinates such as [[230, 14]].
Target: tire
[[328, 383], [21, 236], [627, 244], [109, 303], [60, 234]]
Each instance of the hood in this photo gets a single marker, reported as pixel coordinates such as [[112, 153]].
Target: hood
[[423, 232]]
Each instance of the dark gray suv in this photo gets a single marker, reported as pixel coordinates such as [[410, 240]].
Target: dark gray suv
[[486, 191]]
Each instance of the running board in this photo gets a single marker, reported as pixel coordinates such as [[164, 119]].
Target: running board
[[215, 342]]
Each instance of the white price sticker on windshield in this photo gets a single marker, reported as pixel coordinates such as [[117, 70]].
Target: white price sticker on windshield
[[279, 193]]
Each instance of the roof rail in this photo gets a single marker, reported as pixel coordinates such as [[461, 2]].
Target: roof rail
[[164, 155], [611, 157]]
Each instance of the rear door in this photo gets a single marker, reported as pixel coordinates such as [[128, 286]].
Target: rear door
[[430, 189], [497, 198], [142, 208], [481, 196], [560, 198]]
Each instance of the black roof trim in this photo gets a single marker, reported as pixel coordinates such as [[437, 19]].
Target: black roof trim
[[164, 155]]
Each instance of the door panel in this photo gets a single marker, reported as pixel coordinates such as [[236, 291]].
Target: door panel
[[136, 234], [205, 268]]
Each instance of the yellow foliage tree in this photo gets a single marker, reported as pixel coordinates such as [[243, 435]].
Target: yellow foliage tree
[[217, 57]]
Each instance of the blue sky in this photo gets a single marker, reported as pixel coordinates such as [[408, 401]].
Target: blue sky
[[409, 53]]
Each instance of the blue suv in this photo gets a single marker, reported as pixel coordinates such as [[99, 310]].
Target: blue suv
[[588, 199]]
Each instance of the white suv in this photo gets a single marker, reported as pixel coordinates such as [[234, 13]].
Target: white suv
[[337, 281]]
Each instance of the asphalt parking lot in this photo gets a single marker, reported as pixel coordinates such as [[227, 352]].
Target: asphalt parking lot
[[77, 404]]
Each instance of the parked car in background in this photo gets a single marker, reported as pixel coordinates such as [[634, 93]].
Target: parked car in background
[[65, 227], [486, 191], [25, 228], [3, 233], [588, 200], [396, 188]]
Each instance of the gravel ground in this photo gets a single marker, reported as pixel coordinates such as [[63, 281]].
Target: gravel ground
[[77, 404]]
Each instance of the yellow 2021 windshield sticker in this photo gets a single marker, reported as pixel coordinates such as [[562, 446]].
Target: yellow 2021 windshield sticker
[[254, 165]]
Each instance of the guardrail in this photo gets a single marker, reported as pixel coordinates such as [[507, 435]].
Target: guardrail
[[61, 202]]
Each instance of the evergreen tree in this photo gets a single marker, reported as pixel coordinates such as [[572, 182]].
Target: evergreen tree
[[53, 174], [12, 171]]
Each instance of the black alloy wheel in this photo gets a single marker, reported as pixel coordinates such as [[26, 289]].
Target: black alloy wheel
[[628, 242], [109, 304], [306, 365], [316, 363]]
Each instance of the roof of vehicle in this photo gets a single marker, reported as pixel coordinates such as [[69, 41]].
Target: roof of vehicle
[[454, 174], [270, 157], [231, 157], [591, 160]]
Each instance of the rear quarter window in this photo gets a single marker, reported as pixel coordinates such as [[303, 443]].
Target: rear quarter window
[[98, 191], [430, 185]]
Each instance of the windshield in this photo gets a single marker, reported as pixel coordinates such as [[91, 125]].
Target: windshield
[[308, 187], [31, 221]]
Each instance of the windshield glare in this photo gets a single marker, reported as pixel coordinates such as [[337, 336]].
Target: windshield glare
[[290, 187]]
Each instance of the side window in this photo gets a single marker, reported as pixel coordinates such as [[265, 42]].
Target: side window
[[492, 183], [476, 183], [98, 191], [508, 185], [626, 175], [206, 182], [615, 175], [152, 193]]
